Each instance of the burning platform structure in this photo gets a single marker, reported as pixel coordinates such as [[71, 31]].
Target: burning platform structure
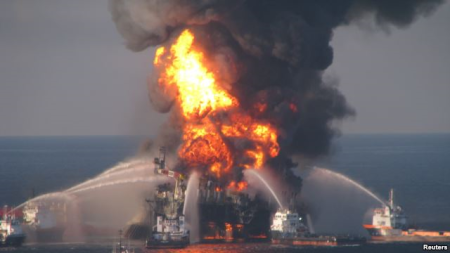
[[227, 212]]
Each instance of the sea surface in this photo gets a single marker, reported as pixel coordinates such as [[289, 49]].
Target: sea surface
[[226, 248], [416, 166]]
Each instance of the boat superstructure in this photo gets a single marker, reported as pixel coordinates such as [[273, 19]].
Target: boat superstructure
[[169, 228], [45, 221], [11, 233]]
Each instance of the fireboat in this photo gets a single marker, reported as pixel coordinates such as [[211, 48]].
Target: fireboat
[[390, 224], [288, 228], [169, 230]]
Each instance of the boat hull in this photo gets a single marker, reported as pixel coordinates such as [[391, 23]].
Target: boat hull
[[304, 242], [50, 234], [44, 235], [13, 241], [403, 238], [321, 241], [388, 234], [154, 244], [167, 241]]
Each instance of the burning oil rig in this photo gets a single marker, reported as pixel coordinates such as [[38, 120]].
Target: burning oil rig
[[245, 87], [220, 135], [227, 212]]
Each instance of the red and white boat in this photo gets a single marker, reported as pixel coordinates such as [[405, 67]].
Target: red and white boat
[[389, 223]]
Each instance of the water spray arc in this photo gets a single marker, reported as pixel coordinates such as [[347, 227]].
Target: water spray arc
[[190, 208], [77, 199], [121, 182], [351, 182], [103, 177], [262, 180]]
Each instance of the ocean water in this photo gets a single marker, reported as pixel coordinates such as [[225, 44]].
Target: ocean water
[[416, 166], [225, 248], [48, 164]]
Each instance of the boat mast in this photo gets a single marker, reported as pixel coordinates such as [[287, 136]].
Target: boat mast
[[391, 198], [160, 162], [5, 212]]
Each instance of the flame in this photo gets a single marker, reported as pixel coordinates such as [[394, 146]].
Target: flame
[[201, 97], [260, 236], [264, 137], [228, 232], [204, 146], [257, 156], [198, 91], [240, 186], [159, 52]]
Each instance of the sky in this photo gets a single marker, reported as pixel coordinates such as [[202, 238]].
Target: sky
[[65, 71]]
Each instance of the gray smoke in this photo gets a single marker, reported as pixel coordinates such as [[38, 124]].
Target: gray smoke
[[271, 52]]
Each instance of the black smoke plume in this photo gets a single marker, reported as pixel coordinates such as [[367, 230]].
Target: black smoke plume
[[268, 51]]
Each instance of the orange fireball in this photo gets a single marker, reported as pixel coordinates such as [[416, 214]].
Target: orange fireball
[[203, 146], [198, 91], [206, 139]]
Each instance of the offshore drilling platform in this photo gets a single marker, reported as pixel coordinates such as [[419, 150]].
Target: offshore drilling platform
[[227, 213]]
